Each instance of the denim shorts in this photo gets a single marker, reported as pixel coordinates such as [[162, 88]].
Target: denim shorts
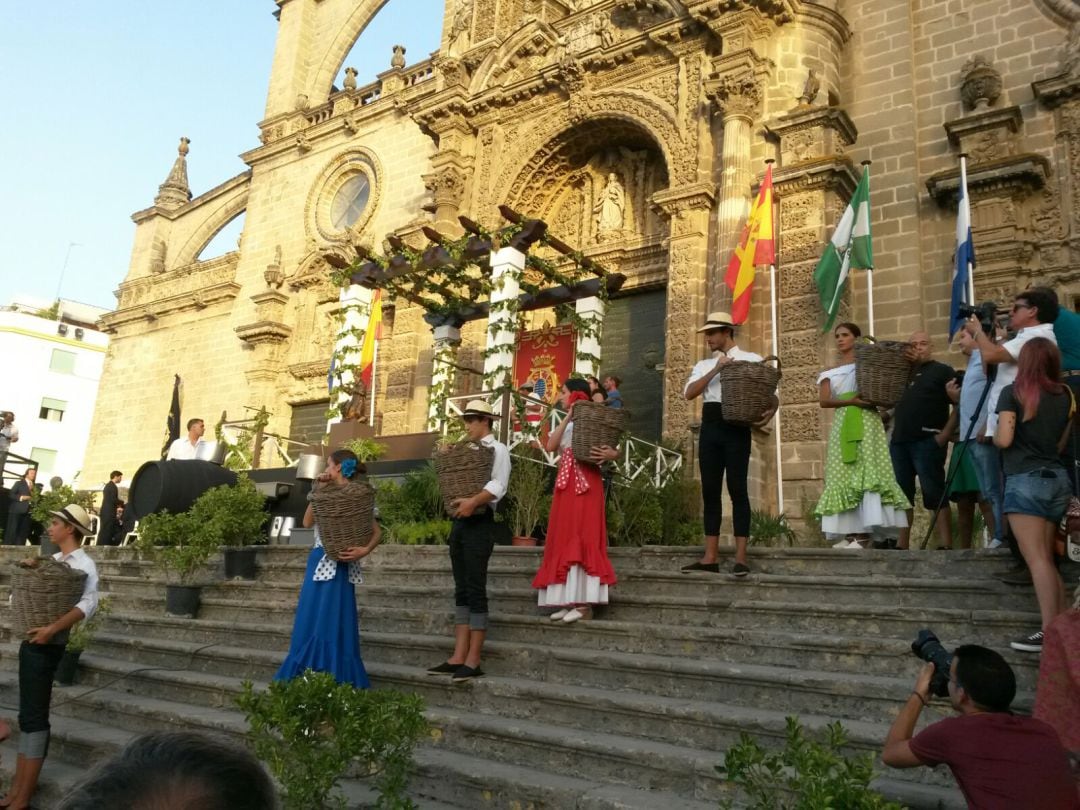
[[1044, 493]]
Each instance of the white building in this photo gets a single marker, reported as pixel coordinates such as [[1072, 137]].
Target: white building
[[50, 367]]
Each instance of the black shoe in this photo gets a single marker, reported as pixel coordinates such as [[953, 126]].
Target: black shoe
[[1017, 575], [740, 569], [465, 673], [712, 568], [1032, 643], [445, 668]]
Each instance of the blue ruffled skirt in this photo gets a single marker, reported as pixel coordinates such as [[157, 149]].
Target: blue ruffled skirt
[[326, 634]]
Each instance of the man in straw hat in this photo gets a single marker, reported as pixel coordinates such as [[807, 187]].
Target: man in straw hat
[[40, 652], [472, 539], [723, 447]]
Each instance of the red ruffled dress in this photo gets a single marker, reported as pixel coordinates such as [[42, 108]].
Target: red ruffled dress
[[575, 569]]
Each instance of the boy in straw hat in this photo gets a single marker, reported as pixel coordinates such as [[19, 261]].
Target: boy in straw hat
[[472, 539], [40, 652], [723, 447]]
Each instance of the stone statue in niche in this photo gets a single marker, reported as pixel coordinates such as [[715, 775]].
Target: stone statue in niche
[[810, 89], [610, 209], [458, 40], [602, 27]]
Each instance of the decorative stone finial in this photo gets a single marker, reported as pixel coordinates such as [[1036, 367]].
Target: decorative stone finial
[[350, 78], [175, 191], [980, 83], [398, 59], [273, 275]]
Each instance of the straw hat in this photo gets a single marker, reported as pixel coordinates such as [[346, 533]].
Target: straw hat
[[716, 320], [76, 516], [477, 407]]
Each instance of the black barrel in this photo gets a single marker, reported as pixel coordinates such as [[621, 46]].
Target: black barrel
[[174, 485]]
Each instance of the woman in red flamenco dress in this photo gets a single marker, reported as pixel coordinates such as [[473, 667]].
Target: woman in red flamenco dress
[[575, 573]]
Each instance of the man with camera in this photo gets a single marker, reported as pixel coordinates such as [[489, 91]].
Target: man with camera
[[1000, 760]]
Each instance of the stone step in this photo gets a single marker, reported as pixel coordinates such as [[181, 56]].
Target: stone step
[[386, 631]]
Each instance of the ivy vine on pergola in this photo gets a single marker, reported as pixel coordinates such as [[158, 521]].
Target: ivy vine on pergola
[[451, 278]]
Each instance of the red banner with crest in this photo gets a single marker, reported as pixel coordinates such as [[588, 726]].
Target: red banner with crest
[[544, 360]]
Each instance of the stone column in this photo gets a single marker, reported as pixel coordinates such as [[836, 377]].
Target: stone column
[[688, 209], [355, 310], [591, 311], [447, 339], [737, 99]]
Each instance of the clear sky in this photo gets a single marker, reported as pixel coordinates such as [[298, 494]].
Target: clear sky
[[96, 97]]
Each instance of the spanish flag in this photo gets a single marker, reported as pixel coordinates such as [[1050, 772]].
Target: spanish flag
[[756, 246], [371, 334]]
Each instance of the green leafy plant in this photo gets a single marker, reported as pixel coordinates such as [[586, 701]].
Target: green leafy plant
[[635, 514], [529, 493], [231, 515], [420, 532], [175, 543], [767, 529], [83, 632], [680, 503], [53, 500], [366, 449], [804, 775], [309, 730]]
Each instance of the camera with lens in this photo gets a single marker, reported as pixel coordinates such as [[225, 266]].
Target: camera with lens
[[927, 647], [986, 312]]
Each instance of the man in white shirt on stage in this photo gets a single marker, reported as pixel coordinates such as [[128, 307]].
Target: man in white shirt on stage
[[183, 449], [723, 447]]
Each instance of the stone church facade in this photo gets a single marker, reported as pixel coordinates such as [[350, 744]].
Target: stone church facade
[[667, 107]]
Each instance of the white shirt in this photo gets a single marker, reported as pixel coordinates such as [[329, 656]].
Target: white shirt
[[80, 561], [182, 449], [9, 434], [1006, 372], [703, 367], [500, 469]]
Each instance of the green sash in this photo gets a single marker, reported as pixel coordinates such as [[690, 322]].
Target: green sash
[[851, 430]]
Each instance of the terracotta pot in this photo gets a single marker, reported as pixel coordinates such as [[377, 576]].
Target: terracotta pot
[[523, 541]]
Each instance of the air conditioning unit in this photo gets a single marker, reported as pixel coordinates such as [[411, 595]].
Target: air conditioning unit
[[61, 329], [79, 333]]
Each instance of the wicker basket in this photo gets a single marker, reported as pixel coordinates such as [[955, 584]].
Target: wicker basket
[[595, 424], [882, 371], [463, 469], [344, 515], [747, 389], [43, 590]]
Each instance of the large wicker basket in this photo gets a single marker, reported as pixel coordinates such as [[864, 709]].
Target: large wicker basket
[[747, 389], [595, 424], [344, 515], [882, 371], [43, 590], [463, 469]]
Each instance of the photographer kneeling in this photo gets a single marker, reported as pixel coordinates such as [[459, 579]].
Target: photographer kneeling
[[999, 759]]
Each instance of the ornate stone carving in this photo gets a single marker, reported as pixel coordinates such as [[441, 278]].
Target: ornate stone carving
[[350, 78], [980, 83], [447, 185], [272, 275], [175, 191], [810, 89], [398, 59], [737, 96]]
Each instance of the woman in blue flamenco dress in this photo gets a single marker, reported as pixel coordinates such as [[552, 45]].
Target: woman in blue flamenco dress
[[326, 633]]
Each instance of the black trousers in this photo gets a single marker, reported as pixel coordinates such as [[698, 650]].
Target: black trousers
[[18, 529], [471, 542], [37, 667], [724, 448]]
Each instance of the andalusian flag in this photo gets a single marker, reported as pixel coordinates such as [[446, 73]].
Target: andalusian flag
[[756, 246], [371, 334], [849, 247]]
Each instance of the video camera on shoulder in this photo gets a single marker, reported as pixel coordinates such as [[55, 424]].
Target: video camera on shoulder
[[986, 312]]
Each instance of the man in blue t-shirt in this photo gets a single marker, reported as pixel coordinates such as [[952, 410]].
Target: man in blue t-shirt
[[611, 385]]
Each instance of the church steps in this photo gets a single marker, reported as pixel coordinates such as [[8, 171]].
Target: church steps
[[384, 635]]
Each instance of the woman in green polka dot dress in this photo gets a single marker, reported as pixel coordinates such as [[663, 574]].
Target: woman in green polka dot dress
[[861, 496]]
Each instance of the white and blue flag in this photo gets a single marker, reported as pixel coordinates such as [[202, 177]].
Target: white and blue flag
[[965, 256]]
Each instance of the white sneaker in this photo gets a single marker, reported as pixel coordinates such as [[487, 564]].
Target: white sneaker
[[841, 544], [995, 543], [558, 614], [855, 544]]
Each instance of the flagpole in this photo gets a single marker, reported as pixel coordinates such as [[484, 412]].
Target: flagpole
[[970, 268], [776, 351], [869, 274], [371, 392]]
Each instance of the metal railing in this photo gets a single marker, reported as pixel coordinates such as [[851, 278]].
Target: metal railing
[[526, 422]]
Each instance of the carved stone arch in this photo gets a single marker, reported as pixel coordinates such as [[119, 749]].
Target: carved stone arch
[[587, 114], [535, 37], [229, 208], [338, 44]]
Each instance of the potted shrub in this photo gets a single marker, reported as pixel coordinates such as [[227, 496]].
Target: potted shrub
[[310, 729], [80, 636], [52, 500], [234, 515], [529, 496], [181, 547]]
